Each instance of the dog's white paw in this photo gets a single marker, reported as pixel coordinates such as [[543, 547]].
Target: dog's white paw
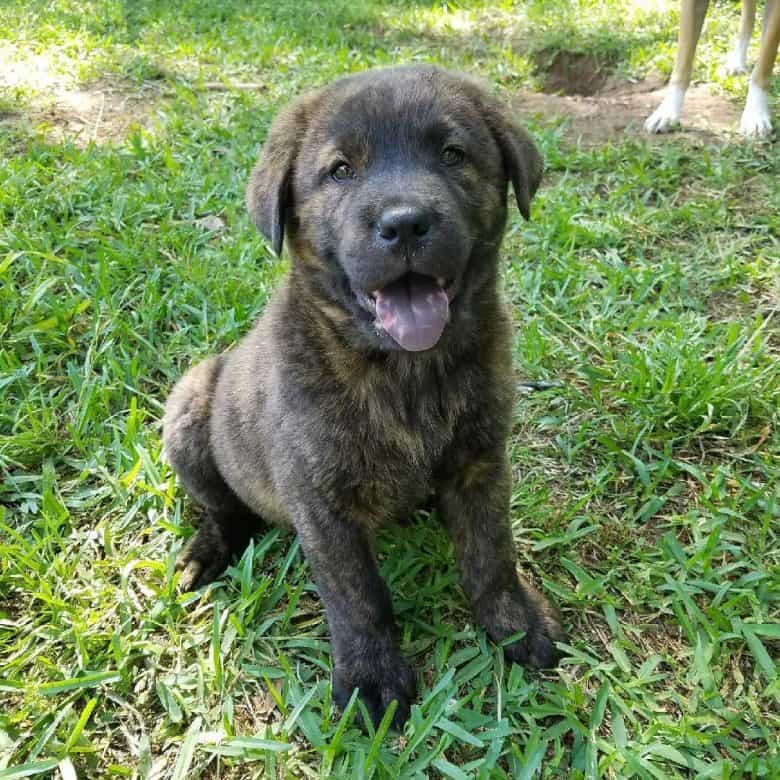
[[667, 116], [756, 122], [662, 120], [736, 63]]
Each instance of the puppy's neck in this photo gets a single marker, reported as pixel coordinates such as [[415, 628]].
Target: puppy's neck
[[325, 329]]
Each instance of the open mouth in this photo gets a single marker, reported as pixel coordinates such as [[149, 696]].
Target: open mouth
[[412, 310]]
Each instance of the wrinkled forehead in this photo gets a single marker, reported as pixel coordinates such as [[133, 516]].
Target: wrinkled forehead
[[401, 114]]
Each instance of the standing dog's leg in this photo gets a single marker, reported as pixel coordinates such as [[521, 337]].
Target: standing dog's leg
[[736, 59], [363, 632], [667, 115], [474, 506], [756, 121]]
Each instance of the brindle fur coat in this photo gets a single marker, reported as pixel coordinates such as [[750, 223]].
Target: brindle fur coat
[[329, 417]]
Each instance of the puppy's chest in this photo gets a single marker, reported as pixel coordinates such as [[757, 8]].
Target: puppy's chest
[[385, 447]]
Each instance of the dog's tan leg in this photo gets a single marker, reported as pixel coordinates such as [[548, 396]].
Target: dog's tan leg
[[667, 115], [756, 122], [736, 59]]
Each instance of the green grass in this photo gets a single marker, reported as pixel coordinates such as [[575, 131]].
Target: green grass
[[646, 497]]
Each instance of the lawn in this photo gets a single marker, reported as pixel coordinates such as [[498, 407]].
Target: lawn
[[646, 501]]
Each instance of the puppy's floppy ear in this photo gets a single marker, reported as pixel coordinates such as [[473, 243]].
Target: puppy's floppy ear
[[522, 159], [268, 192]]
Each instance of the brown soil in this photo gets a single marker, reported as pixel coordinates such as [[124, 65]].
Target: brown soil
[[570, 73], [619, 108], [99, 113], [596, 108]]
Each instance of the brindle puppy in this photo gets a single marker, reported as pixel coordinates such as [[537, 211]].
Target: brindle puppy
[[380, 372]]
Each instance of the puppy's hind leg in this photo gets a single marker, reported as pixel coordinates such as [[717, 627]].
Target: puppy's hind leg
[[229, 523]]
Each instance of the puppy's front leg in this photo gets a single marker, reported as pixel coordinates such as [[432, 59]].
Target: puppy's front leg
[[364, 641], [474, 505]]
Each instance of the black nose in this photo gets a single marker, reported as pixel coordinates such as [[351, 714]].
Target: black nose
[[403, 224]]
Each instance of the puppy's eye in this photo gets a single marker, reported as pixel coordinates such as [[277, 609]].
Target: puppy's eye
[[452, 155], [342, 172]]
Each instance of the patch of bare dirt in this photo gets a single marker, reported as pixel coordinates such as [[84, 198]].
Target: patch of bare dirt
[[102, 112], [571, 73], [620, 108], [731, 305], [99, 113]]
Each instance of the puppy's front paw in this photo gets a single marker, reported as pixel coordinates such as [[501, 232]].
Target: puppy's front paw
[[380, 674], [507, 612]]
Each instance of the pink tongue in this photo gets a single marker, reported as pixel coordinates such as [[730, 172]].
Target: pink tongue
[[413, 310]]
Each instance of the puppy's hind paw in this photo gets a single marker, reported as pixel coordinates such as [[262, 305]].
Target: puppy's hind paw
[[203, 558]]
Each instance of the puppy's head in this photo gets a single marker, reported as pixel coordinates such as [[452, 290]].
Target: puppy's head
[[390, 187]]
